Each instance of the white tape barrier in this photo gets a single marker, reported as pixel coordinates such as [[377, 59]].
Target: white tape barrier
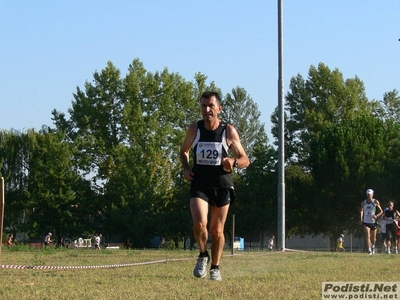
[[90, 267]]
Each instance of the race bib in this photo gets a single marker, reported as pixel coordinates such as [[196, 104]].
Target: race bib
[[209, 153], [369, 212]]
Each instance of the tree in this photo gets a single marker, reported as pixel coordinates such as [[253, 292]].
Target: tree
[[301, 218], [129, 131], [323, 99], [256, 205], [346, 159], [50, 193], [257, 183], [112, 165], [13, 162], [389, 107], [242, 111]]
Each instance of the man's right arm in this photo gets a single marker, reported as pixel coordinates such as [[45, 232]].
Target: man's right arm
[[185, 149], [361, 212]]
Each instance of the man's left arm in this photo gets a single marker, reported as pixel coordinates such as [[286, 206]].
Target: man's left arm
[[240, 160], [378, 205]]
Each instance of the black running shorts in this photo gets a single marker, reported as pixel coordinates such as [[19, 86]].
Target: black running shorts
[[372, 226], [217, 197]]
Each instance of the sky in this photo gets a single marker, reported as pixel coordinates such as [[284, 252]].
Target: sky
[[49, 48]]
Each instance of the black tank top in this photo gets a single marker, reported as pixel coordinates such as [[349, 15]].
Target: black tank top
[[209, 148]]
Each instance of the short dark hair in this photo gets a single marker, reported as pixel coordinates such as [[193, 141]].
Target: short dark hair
[[209, 94]]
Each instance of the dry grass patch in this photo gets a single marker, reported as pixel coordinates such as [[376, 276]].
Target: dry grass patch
[[247, 275]]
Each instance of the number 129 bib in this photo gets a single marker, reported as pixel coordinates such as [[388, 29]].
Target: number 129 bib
[[209, 153]]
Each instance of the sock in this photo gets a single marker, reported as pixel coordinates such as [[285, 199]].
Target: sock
[[214, 267], [204, 254]]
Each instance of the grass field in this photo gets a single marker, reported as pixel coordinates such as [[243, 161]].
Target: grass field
[[246, 275]]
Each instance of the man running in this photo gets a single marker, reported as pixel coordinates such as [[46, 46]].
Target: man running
[[211, 140], [369, 216], [390, 214]]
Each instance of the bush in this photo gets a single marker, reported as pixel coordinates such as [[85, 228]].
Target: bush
[[19, 248], [170, 245]]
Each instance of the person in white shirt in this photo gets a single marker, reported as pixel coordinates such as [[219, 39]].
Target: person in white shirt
[[271, 243], [369, 213], [47, 239], [340, 247], [97, 240]]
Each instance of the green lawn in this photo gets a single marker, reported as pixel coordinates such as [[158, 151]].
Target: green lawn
[[246, 275]]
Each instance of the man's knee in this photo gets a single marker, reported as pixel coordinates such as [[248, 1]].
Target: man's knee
[[200, 226], [217, 230]]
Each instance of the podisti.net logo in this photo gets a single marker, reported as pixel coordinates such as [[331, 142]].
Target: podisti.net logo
[[361, 290]]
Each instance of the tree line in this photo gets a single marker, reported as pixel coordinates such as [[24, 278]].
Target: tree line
[[111, 165]]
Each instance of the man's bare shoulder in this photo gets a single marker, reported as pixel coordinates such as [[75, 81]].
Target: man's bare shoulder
[[193, 125], [192, 128], [231, 131]]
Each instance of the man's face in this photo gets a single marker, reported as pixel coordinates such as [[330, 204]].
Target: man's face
[[210, 108], [370, 196]]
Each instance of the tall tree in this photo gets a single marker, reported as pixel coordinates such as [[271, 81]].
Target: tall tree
[[346, 159], [51, 197], [389, 108], [129, 131], [321, 101], [242, 111], [300, 200], [256, 205], [13, 167], [324, 98]]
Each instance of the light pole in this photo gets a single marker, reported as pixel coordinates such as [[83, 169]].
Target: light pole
[[281, 135], [1, 212]]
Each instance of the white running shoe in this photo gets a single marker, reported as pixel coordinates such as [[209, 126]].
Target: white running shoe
[[215, 274], [200, 270]]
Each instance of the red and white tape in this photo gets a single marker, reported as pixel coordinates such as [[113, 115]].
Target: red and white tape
[[89, 267]]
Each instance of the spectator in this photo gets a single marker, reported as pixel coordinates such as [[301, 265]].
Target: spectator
[[340, 247], [271, 243], [47, 239], [10, 240], [97, 240]]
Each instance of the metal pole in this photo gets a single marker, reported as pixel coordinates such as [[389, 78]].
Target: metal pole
[[233, 234], [281, 135], [351, 242], [2, 213]]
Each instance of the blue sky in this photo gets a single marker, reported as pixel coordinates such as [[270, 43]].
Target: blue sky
[[48, 48]]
